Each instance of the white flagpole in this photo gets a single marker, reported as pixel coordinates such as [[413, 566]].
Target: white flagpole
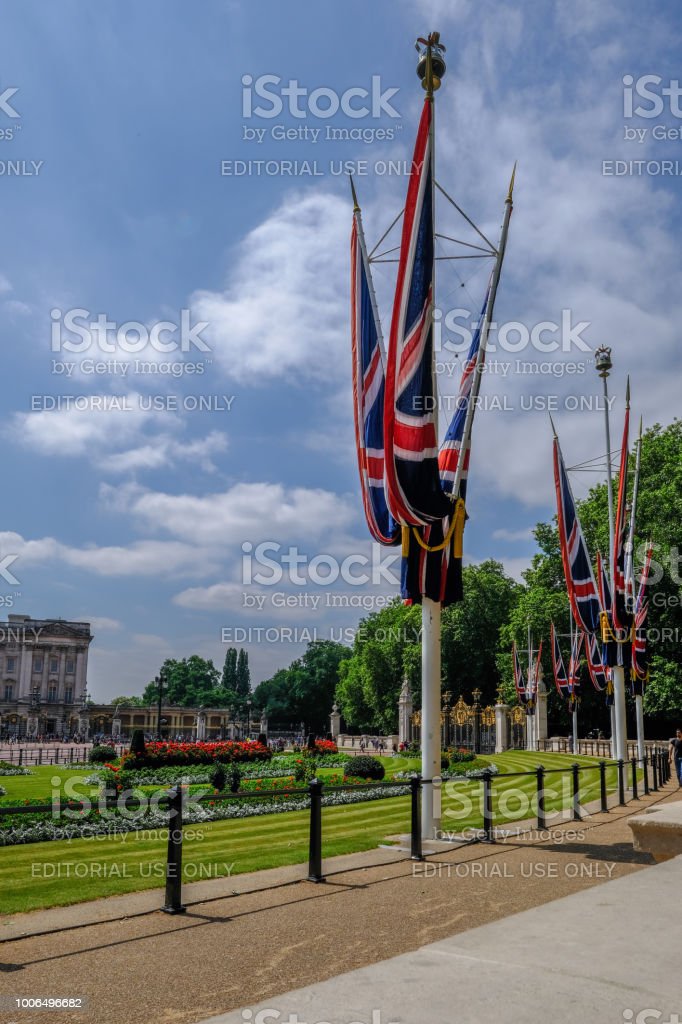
[[431, 610], [630, 577]]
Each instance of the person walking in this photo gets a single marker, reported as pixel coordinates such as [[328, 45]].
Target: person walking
[[676, 755]]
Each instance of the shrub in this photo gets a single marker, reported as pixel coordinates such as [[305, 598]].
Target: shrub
[[364, 767], [137, 743], [305, 767], [461, 756], [3, 791], [444, 760], [101, 755], [218, 776]]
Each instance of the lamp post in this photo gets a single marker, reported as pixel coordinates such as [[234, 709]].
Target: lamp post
[[160, 680], [248, 719], [603, 364], [477, 720]]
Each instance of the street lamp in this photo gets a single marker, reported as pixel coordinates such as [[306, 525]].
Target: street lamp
[[248, 719], [160, 680], [603, 364]]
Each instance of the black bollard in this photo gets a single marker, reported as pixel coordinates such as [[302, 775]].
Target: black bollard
[[315, 845], [633, 766], [621, 781], [173, 904], [645, 768], [540, 776], [488, 831], [575, 769], [602, 788], [416, 824]]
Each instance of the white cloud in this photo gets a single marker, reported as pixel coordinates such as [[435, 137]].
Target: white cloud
[[247, 511], [513, 535], [284, 309], [166, 451]]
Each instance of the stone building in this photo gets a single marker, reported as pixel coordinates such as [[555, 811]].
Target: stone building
[[43, 675]]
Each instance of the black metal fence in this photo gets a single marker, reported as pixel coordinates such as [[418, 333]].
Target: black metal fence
[[67, 754], [655, 769]]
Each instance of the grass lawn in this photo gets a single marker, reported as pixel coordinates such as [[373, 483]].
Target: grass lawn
[[35, 875]]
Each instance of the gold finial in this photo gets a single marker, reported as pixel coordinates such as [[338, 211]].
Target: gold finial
[[356, 205], [510, 193]]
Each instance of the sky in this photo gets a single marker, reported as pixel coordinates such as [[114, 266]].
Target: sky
[[154, 173]]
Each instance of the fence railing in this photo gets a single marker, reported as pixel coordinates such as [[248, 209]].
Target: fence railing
[[591, 748], [655, 769], [67, 754]]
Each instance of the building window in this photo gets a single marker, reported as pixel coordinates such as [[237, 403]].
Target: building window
[[68, 695], [51, 694], [8, 691], [11, 662], [70, 666], [54, 665], [37, 664]]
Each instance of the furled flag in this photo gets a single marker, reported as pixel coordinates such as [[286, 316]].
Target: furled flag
[[414, 491], [598, 673], [519, 681], [368, 388], [639, 674], [621, 616], [580, 584], [438, 572], [560, 677], [450, 449], [574, 666], [610, 651]]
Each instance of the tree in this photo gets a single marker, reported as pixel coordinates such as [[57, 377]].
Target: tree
[[242, 674], [304, 692], [133, 702], [229, 679], [188, 683], [388, 647]]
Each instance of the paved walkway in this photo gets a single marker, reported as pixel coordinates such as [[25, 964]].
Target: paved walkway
[[239, 949]]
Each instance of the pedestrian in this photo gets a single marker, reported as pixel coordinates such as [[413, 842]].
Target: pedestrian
[[676, 754]]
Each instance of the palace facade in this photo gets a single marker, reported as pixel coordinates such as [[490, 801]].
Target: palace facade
[[43, 675]]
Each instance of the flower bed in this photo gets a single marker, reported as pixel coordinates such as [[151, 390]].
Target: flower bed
[[280, 766], [13, 769], [161, 754]]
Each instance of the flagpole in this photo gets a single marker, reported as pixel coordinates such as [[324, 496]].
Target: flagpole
[[618, 720], [431, 610], [574, 714], [630, 576], [480, 356]]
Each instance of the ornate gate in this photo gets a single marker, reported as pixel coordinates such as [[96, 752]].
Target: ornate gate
[[463, 726], [517, 728]]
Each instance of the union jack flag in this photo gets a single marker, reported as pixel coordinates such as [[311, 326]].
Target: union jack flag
[[415, 494], [450, 449], [639, 674], [580, 584], [599, 674], [368, 390], [560, 677], [519, 680], [621, 615]]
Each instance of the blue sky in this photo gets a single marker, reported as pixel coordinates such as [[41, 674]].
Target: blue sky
[[136, 519]]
